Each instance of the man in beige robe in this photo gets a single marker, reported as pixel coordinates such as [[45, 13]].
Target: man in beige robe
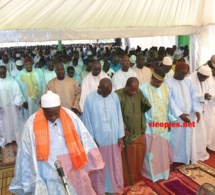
[[67, 88], [144, 74]]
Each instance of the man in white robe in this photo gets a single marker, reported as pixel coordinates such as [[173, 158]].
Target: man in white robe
[[121, 76], [32, 84], [187, 109], [49, 73], [55, 134], [203, 88], [91, 82], [19, 67], [103, 118], [11, 100], [144, 73], [9, 64]]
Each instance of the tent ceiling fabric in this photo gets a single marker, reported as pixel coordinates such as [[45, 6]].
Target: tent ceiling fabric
[[43, 20]]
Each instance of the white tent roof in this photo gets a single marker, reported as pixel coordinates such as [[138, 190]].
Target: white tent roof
[[43, 20]]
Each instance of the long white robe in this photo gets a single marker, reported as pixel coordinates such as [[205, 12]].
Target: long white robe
[[40, 177], [120, 78], [11, 100], [205, 126], [211, 123], [89, 84], [182, 139], [106, 127], [49, 75]]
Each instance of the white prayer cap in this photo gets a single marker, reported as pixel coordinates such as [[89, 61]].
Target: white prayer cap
[[19, 62], [167, 61], [133, 59], [89, 53], [205, 70], [132, 49], [17, 55], [50, 100]]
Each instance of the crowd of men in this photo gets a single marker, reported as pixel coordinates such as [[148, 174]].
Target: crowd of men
[[111, 116]]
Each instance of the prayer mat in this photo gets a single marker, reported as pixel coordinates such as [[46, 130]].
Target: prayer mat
[[200, 173], [177, 184], [139, 188], [6, 176], [8, 154]]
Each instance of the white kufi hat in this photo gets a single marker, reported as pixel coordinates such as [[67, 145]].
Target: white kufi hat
[[205, 70], [167, 61], [19, 62], [50, 100]]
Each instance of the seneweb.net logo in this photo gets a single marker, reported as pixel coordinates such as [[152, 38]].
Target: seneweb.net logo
[[171, 124]]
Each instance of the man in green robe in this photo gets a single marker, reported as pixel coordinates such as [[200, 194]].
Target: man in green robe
[[133, 105]]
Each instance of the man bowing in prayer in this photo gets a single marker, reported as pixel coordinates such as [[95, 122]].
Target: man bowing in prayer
[[53, 134], [133, 105], [103, 119], [187, 109], [201, 80], [158, 157]]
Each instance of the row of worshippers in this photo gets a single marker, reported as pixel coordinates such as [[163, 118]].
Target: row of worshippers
[[119, 122], [32, 84], [110, 60]]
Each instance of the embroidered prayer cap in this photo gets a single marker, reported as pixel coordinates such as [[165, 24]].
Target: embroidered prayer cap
[[50, 100], [167, 61], [133, 59], [158, 74], [27, 60], [180, 65], [205, 70], [19, 63]]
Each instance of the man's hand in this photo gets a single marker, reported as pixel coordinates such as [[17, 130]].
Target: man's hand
[[198, 116], [25, 105], [184, 117], [121, 144], [143, 130], [126, 134], [208, 96]]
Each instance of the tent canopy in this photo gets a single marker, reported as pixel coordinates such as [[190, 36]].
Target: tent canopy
[[42, 20]]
